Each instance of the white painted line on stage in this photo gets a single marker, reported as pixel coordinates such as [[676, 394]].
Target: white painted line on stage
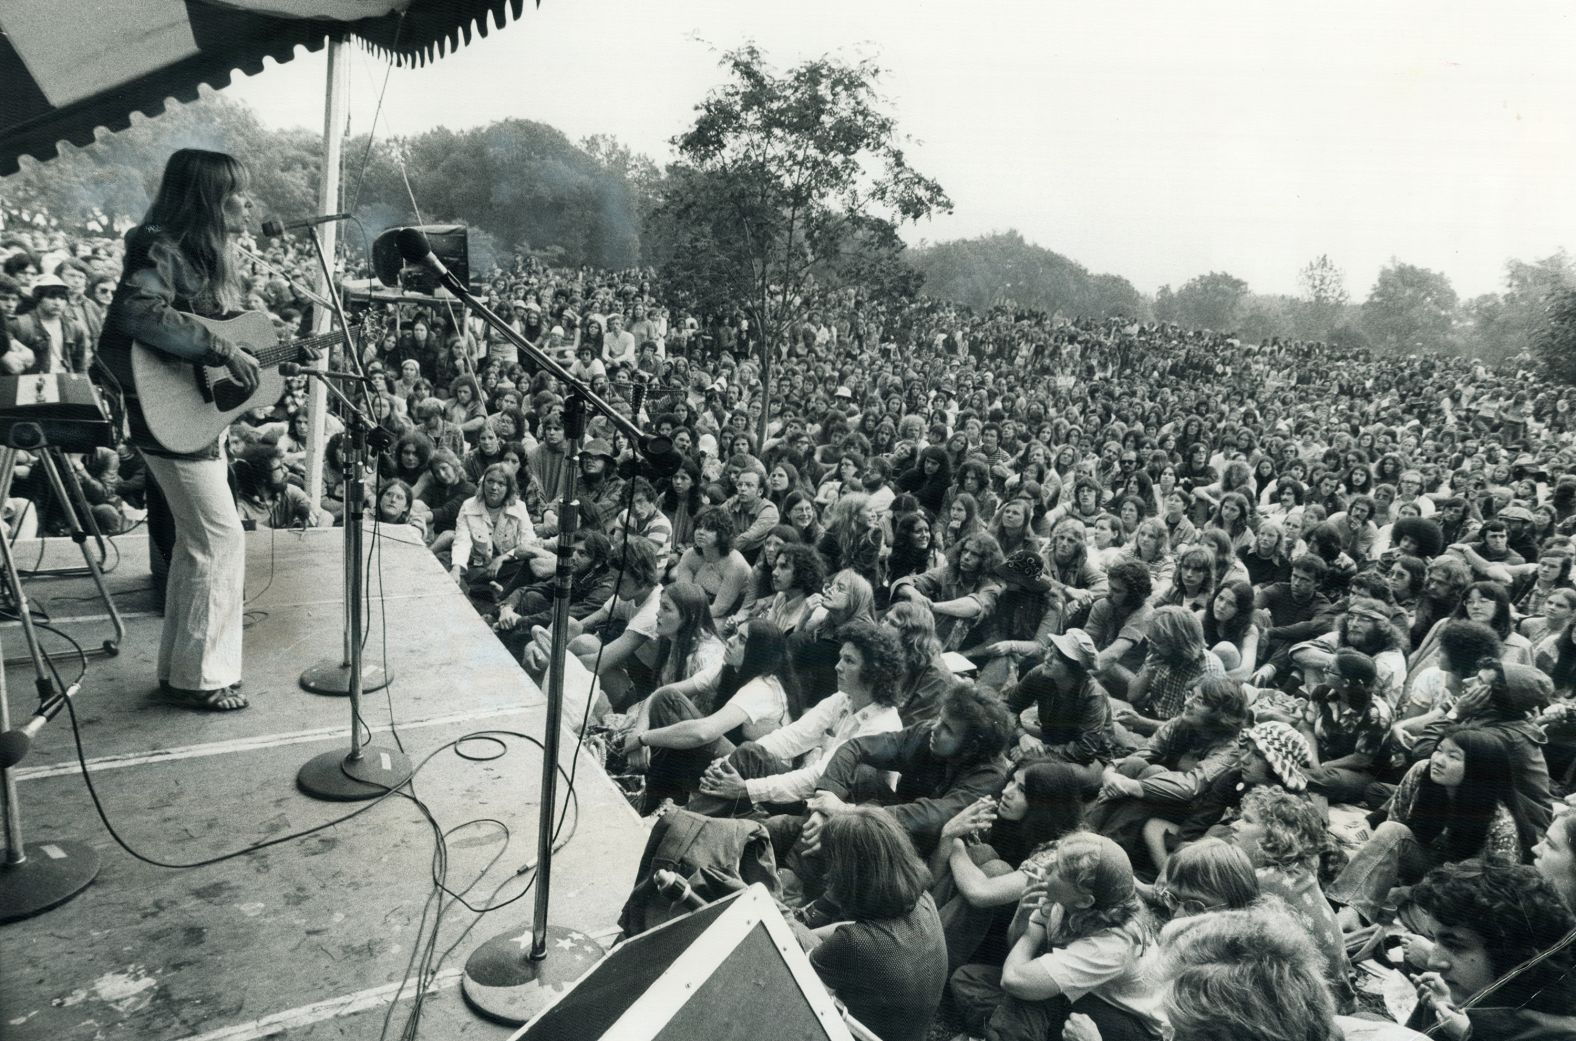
[[345, 1005], [243, 744]]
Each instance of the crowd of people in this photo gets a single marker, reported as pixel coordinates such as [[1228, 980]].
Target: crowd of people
[[1092, 678]]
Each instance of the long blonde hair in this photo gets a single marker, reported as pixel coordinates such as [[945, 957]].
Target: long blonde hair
[[193, 253]]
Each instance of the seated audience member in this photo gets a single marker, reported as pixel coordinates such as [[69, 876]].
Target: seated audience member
[[618, 641], [816, 643], [492, 532], [714, 564], [530, 603], [1250, 973], [1175, 766], [886, 956], [1082, 944], [1176, 664], [990, 850], [925, 678], [1119, 625], [754, 692], [761, 773], [1285, 838], [1484, 920], [1364, 626], [1505, 700], [942, 766], [264, 495], [1459, 804], [1296, 610], [962, 593], [1063, 710], [1024, 618]]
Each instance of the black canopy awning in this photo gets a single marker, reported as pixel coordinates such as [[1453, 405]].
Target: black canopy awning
[[69, 67]]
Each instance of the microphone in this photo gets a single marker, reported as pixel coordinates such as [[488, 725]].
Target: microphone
[[295, 368], [415, 248], [673, 886], [274, 228], [15, 743]]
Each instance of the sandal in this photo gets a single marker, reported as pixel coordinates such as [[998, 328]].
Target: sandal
[[222, 699]]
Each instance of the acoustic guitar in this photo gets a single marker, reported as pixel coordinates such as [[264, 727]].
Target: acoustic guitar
[[187, 405]]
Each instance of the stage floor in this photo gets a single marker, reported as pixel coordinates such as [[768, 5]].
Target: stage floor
[[311, 938]]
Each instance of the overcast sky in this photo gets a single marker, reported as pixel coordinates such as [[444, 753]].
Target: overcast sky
[[1152, 140]]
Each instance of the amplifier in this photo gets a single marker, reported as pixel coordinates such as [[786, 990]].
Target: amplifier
[[54, 409]]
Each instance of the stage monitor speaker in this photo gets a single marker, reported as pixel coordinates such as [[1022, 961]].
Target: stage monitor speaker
[[450, 244], [730, 971]]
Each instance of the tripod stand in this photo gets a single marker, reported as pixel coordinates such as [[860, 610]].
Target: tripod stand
[[79, 519], [35, 877]]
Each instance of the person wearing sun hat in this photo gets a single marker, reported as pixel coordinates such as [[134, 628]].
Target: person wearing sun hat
[[1064, 711], [1273, 753]]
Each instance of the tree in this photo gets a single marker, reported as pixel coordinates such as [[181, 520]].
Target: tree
[[979, 272], [1500, 326], [1555, 338], [791, 177], [1208, 301], [1410, 308], [1324, 286]]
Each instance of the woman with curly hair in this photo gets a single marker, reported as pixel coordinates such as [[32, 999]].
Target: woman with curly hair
[[972, 478], [1483, 921], [1285, 837], [926, 678], [1459, 803], [713, 564], [1079, 944]]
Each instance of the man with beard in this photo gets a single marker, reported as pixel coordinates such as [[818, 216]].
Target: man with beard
[[754, 516], [600, 489], [1444, 584], [1292, 611], [1518, 528], [1119, 624], [877, 481], [1365, 627], [1455, 521], [527, 606], [962, 593], [265, 496]]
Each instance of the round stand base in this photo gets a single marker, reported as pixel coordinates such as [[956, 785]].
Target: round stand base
[[334, 776], [53, 873], [332, 678], [502, 983]]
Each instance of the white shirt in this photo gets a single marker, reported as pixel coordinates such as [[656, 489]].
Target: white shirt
[[816, 735]]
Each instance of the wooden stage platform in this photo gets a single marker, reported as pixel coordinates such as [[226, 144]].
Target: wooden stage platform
[[311, 938]]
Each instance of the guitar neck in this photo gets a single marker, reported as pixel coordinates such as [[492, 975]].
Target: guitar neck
[[295, 350]]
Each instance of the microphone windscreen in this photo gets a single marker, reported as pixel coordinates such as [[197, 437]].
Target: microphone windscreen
[[13, 748], [413, 244], [273, 228]]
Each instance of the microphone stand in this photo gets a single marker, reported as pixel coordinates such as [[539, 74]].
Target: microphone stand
[[329, 676], [35, 876], [367, 770], [511, 976]]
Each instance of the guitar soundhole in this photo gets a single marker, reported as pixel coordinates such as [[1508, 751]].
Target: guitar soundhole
[[228, 394]]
